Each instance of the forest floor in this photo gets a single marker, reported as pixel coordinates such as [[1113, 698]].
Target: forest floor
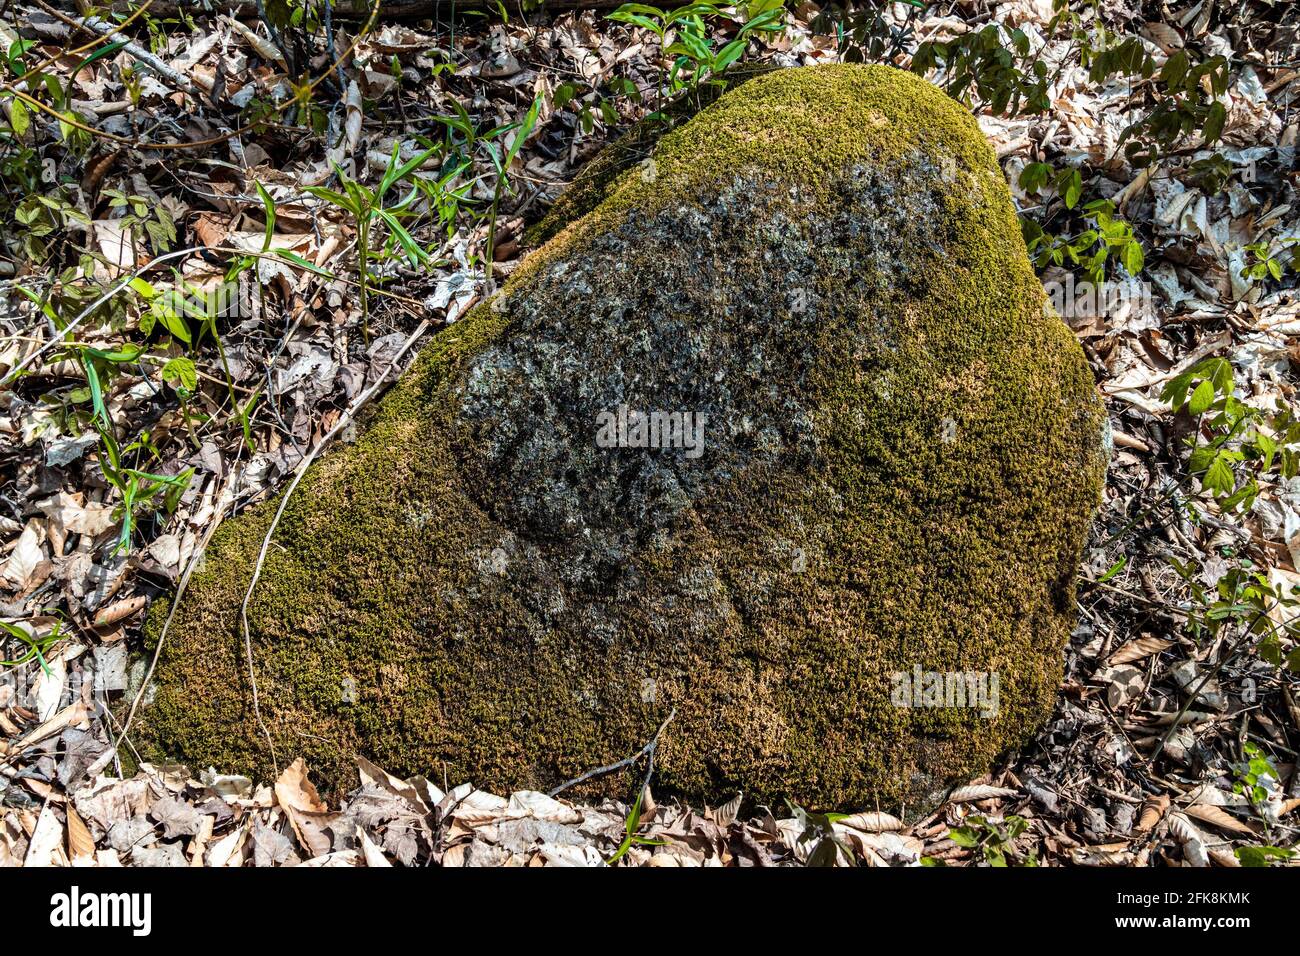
[[1175, 736]]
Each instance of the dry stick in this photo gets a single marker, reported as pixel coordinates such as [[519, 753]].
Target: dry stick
[[344, 420], [109, 31], [626, 762]]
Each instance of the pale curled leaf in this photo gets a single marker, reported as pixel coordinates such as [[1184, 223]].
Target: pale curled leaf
[[1111, 854], [725, 815], [978, 792], [372, 854], [1207, 813], [1138, 649], [872, 822], [1192, 840]]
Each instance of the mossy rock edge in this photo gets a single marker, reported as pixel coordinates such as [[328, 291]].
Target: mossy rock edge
[[901, 457]]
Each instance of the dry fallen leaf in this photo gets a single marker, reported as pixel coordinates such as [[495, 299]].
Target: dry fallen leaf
[[872, 822], [370, 852], [980, 792], [1207, 813], [45, 839], [1153, 811], [81, 845], [1136, 650]]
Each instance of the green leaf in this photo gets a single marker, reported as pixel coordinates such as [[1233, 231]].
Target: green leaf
[[338, 199], [1134, 260], [19, 118], [181, 372], [96, 390], [1214, 122], [1073, 190], [102, 52], [142, 288], [306, 264], [1256, 856], [1202, 398], [268, 205], [1115, 569], [964, 836], [1219, 476], [171, 320], [525, 127]]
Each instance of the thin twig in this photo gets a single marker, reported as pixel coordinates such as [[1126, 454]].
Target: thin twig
[[181, 585], [649, 749]]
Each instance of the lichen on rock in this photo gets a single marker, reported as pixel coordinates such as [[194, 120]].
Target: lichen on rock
[[900, 456]]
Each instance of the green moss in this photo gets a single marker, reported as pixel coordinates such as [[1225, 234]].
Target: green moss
[[772, 608]]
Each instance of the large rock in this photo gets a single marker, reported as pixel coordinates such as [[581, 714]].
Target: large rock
[[900, 454]]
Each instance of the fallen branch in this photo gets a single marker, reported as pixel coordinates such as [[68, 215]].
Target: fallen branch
[[194, 87]]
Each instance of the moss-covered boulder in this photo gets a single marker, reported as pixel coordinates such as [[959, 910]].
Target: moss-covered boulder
[[900, 453]]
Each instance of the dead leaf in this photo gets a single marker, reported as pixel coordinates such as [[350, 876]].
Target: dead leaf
[[1207, 813], [81, 845], [1137, 649]]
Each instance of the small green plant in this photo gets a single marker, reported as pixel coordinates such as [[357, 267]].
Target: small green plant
[[684, 35], [590, 103], [984, 72], [37, 647], [994, 839], [501, 160], [1106, 238], [999, 70], [1190, 103], [862, 32], [141, 491], [1264, 265], [368, 208], [1244, 598], [464, 141], [631, 837], [1257, 778], [1235, 444], [140, 214], [44, 216]]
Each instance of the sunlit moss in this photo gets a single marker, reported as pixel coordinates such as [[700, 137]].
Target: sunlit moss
[[938, 523]]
